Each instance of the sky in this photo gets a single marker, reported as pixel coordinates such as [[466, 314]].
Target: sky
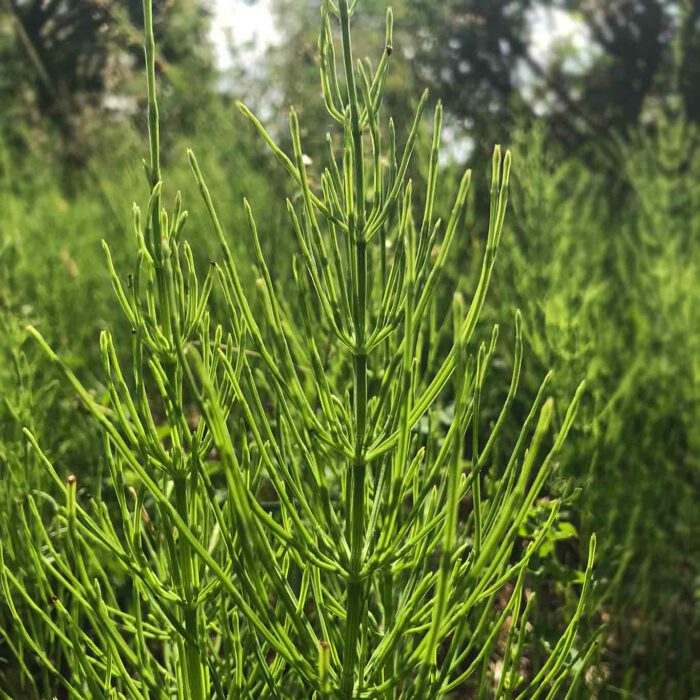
[[249, 26]]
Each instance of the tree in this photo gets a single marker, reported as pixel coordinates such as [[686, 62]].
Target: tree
[[478, 56], [64, 57]]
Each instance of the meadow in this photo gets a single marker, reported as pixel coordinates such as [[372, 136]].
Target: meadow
[[333, 416]]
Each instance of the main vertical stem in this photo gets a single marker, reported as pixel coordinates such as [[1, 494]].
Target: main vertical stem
[[194, 672], [193, 668], [358, 152], [149, 46], [153, 232], [358, 471], [358, 467]]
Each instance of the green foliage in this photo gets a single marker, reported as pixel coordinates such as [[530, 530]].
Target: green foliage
[[610, 291], [284, 513], [601, 261]]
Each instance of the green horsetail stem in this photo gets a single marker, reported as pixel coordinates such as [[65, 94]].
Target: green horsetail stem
[[287, 517]]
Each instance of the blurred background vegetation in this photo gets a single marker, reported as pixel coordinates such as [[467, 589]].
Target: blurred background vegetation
[[600, 102]]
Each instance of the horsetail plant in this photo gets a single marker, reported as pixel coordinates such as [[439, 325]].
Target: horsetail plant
[[289, 518]]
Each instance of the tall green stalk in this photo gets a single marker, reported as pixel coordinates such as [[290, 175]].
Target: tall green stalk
[[355, 606], [193, 670]]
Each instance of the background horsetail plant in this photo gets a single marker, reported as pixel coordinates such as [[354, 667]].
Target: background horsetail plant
[[289, 519]]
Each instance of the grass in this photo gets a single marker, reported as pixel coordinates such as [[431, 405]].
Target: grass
[[300, 495]]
